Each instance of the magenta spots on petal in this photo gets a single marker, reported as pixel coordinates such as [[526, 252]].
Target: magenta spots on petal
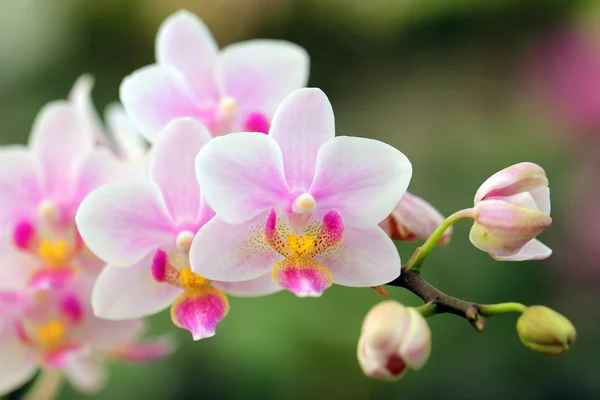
[[51, 278], [23, 235], [159, 266], [71, 308], [257, 122], [333, 226], [199, 311], [309, 279], [270, 226]]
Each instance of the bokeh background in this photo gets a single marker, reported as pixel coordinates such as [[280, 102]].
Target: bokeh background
[[464, 88]]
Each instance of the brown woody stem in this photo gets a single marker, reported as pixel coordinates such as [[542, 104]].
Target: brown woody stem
[[438, 302]]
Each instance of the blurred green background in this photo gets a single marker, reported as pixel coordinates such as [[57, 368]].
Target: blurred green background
[[442, 81]]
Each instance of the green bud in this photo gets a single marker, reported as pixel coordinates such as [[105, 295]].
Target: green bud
[[545, 331]]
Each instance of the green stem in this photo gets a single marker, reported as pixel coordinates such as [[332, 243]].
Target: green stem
[[422, 252], [427, 309], [489, 310], [46, 386]]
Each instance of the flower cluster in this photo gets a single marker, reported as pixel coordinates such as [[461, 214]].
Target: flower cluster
[[220, 174]]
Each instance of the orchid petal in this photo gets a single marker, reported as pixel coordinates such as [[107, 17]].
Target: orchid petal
[[232, 253], [144, 351], [184, 42], [123, 293], [366, 257], [130, 144], [199, 310], [533, 250], [302, 276], [19, 361], [103, 334], [155, 95], [517, 178], [362, 179], [86, 374], [20, 185], [123, 221], [260, 73], [241, 175], [81, 97], [59, 139], [261, 286], [302, 124], [541, 196], [172, 166]]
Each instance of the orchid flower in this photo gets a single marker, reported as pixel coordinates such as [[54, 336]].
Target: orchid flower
[[232, 90], [148, 227], [41, 187], [119, 135], [413, 217], [299, 203], [55, 329]]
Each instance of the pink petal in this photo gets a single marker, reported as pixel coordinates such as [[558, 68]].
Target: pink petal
[[261, 286], [19, 361], [16, 267], [260, 73], [20, 185], [232, 253], [302, 276], [185, 43], [59, 139], [51, 278], [102, 334], [98, 168], [517, 178], [241, 175], [144, 351], [59, 358], [366, 257], [362, 179], [533, 250], [81, 97], [155, 95], [123, 293], [172, 167], [199, 310], [130, 144], [542, 199], [124, 221], [86, 373], [302, 124]]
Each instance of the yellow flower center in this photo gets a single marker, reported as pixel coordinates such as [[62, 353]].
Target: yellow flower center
[[190, 279], [56, 253], [51, 334], [302, 245]]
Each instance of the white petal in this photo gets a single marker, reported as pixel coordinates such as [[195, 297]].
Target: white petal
[[261, 286], [86, 374], [533, 250], [301, 125], [362, 179], [241, 175], [130, 144], [124, 221], [19, 361], [131, 292], [366, 257]]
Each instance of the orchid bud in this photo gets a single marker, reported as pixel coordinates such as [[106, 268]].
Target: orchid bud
[[511, 208], [393, 339], [545, 331], [414, 218]]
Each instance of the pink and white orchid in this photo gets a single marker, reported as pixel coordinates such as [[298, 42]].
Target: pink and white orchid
[[41, 187], [511, 208], [299, 203], [56, 330], [148, 227], [232, 90]]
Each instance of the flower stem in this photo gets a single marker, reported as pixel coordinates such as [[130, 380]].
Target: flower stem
[[46, 386], [489, 310], [422, 252]]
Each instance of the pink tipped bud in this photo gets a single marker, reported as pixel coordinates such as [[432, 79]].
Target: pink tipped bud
[[393, 339], [512, 207], [414, 218]]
